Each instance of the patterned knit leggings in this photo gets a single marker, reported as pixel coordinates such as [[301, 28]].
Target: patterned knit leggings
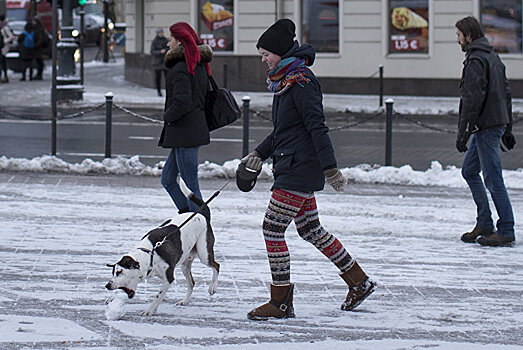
[[285, 206]]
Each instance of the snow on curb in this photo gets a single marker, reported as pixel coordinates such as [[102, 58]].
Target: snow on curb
[[436, 175]]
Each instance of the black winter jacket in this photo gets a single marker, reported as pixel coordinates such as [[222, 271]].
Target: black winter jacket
[[299, 144], [157, 45], [184, 117], [485, 93]]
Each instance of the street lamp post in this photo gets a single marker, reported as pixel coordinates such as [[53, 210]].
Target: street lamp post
[[68, 84]]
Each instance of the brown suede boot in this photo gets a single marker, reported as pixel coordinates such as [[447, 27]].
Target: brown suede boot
[[470, 237], [280, 305], [360, 287]]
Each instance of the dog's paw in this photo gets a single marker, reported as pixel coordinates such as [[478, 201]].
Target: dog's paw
[[182, 303], [109, 299], [212, 288], [147, 312]]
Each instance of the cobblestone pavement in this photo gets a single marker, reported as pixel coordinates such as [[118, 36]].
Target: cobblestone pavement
[[59, 231]]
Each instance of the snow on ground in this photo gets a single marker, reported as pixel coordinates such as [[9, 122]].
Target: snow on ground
[[436, 175], [60, 230]]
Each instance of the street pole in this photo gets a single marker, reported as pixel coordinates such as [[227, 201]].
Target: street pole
[[53, 89], [32, 10], [389, 107], [106, 31], [68, 84], [82, 38], [245, 144]]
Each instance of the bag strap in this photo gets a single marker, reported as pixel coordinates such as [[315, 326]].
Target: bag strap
[[213, 83]]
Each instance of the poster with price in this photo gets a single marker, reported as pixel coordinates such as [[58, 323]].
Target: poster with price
[[409, 26], [216, 24]]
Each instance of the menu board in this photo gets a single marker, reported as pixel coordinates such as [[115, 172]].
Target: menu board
[[216, 24], [409, 26]]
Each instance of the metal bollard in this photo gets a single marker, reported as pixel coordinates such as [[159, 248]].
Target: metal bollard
[[225, 75], [381, 85], [246, 101], [108, 123], [389, 106]]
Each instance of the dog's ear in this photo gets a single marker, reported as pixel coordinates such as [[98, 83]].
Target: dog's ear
[[128, 262]]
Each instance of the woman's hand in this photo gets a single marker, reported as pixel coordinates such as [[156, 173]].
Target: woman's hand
[[335, 178]]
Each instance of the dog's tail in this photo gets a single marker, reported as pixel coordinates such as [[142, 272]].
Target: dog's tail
[[204, 209]]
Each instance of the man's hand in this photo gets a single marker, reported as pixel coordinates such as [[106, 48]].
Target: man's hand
[[335, 178], [461, 142], [508, 141]]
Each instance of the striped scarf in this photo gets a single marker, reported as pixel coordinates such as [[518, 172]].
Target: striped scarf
[[289, 71]]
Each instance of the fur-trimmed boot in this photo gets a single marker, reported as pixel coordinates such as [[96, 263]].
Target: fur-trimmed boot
[[280, 305], [360, 287]]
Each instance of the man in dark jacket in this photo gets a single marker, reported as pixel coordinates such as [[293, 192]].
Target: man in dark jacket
[[158, 50], [485, 115]]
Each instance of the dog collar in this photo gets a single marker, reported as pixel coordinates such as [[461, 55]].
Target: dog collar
[[150, 252]]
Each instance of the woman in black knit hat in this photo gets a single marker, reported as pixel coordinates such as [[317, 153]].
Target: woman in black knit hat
[[303, 158]]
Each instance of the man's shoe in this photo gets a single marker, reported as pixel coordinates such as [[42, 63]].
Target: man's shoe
[[470, 237], [495, 240]]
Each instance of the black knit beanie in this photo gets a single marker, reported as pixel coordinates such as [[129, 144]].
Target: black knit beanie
[[279, 38]]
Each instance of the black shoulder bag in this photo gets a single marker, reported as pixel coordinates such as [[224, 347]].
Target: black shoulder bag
[[220, 107]]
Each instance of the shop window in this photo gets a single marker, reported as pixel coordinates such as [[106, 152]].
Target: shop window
[[502, 23], [321, 24], [409, 26], [217, 24]]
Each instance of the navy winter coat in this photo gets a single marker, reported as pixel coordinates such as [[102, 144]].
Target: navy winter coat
[[184, 118], [299, 144]]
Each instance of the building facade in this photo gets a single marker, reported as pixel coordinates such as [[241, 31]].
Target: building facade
[[414, 40]]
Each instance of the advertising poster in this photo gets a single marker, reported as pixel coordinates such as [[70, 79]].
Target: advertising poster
[[409, 26], [216, 24]]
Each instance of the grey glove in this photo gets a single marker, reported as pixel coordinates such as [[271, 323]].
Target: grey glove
[[252, 161], [335, 178]]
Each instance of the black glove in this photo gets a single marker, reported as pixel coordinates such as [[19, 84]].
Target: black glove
[[508, 141], [252, 161], [461, 142]]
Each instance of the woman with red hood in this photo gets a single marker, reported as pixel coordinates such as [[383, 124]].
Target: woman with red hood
[[185, 128]]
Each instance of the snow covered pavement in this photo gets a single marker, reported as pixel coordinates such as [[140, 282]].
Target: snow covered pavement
[[58, 232]]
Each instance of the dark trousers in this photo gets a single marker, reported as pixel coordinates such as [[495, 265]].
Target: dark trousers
[[158, 80], [39, 66], [27, 64], [3, 65]]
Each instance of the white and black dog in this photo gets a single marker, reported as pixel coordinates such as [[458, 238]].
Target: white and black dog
[[179, 249]]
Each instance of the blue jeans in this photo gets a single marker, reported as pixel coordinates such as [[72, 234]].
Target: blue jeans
[[484, 155], [183, 161]]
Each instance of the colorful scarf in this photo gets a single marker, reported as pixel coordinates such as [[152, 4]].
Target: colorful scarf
[[289, 71]]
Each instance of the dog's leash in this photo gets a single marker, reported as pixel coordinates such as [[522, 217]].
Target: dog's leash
[[160, 243]]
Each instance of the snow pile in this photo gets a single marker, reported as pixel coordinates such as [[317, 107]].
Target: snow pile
[[116, 308], [110, 166], [436, 175]]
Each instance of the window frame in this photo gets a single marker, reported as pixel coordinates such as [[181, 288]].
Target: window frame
[[478, 12], [298, 11]]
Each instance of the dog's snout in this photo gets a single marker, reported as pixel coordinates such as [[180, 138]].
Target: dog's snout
[[109, 286]]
